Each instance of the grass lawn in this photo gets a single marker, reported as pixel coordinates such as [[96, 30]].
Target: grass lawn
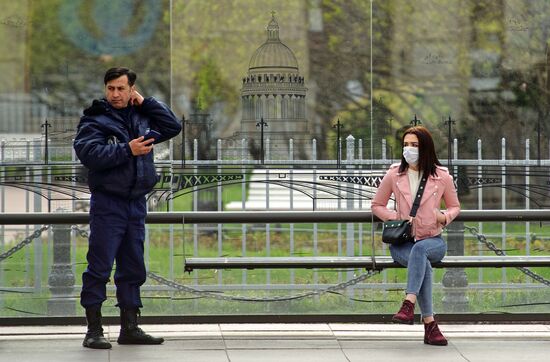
[[20, 298], [22, 294]]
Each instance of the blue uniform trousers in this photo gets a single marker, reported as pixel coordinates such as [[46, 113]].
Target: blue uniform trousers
[[117, 232]]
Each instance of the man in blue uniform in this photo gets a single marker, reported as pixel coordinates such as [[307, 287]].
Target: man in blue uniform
[[110, 142]]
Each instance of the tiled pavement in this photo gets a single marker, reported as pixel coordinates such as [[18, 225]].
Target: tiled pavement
[[332, 342]]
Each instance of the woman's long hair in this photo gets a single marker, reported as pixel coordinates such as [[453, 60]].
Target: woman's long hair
[[427, 159]]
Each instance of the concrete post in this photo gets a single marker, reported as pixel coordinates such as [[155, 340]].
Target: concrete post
[[350, 227], [350, 148], [455, 280], [61, 279]]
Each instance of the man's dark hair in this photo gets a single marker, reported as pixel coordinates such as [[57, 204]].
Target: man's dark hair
[[117, 72]]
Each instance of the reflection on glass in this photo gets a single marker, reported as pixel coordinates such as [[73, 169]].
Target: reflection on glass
[[475, 74]]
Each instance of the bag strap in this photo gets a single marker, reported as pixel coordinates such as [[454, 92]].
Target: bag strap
[[418, 197]]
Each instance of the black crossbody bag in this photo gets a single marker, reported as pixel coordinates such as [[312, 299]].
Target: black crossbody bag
[[400, 231]]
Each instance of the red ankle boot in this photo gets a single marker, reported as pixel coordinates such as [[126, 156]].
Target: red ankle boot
[[432, 335], [405, 314]]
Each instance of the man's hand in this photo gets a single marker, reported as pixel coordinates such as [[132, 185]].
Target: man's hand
[[135, 98], [141, 147]]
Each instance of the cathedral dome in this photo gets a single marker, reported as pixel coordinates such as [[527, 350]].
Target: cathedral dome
[[273, 53]]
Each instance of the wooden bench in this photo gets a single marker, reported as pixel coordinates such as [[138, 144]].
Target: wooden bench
[[354, 262]]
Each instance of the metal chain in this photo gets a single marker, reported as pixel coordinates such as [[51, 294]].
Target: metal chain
[[185, 288], [489, 244], [82, 232], [29, 239], [331, 289]]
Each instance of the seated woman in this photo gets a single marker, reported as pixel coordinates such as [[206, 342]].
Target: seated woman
[[402, 181]]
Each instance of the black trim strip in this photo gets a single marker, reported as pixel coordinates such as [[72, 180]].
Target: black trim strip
[[484, 318]]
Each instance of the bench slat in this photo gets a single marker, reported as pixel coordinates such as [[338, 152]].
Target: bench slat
[[382, 262]]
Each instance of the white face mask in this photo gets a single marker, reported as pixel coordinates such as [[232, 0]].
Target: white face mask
[[411, 155]]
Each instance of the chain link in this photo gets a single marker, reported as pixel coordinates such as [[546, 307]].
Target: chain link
[[82, 232], [335, 288], [331, 289], [188, 289], [29, 239], [489, 244]]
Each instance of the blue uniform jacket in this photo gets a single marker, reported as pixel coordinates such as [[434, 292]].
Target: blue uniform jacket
[[101, 144]]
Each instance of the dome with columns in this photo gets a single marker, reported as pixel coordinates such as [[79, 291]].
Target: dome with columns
[[273, 53], [273, 89]]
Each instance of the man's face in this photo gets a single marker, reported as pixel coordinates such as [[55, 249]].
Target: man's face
[[118, 92]]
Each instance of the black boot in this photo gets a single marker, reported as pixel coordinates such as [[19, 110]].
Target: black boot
[[130, 333], [94, 337]]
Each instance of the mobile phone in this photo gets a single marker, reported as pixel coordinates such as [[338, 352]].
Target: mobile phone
[[152, 134]]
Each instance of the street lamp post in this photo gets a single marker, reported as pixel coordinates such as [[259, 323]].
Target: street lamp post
[[449, 124], [538, 139], [338, 126], [261, 124], [46, 125], [415, 122], [183, 121], [390, 120]]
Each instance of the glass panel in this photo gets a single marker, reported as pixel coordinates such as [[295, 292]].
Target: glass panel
[[294, 105]]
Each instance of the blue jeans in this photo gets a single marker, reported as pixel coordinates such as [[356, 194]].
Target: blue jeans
[[417, 258]]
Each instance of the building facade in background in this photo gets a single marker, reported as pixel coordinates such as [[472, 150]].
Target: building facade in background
[[274, 90]]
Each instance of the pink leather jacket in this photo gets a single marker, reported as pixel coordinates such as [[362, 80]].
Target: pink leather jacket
[[425, 223]]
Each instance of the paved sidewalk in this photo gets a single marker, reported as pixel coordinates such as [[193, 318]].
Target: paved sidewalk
[[332, 342]]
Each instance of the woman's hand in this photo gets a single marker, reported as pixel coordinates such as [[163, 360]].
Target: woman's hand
[[440, 216]]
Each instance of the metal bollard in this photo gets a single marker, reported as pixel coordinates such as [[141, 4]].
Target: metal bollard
[[61, 279], [455, 280]]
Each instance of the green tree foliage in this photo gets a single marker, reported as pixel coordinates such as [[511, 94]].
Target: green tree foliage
[[216, 39], [482, 62], [210, 87], [67, 73], [372, 64], [13, 24]]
